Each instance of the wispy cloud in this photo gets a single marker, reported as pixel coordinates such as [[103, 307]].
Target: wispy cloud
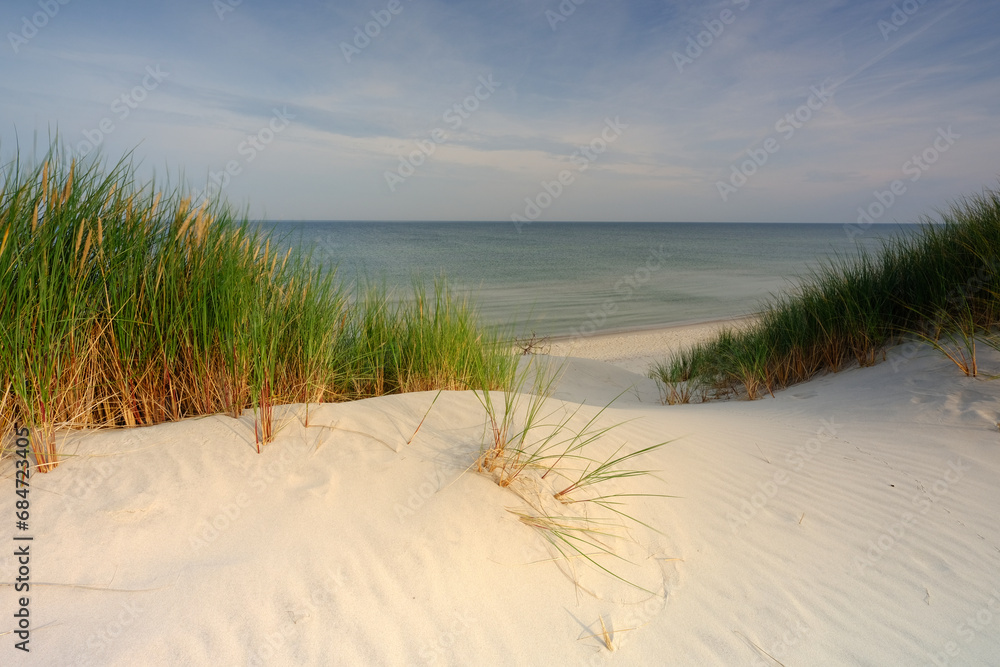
[[700, 86]]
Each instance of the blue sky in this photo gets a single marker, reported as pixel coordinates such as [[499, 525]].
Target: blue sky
[[745, 110]]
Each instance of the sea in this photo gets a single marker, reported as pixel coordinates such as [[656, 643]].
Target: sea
[[582, 278]]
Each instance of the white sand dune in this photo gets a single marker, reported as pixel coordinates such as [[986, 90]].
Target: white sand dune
[[847, 521]]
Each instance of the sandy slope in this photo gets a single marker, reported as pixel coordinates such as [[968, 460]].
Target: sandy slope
[[850, 520]]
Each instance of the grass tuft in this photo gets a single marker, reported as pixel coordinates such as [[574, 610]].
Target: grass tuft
[[543, 461], [941, 286], [122, 304]]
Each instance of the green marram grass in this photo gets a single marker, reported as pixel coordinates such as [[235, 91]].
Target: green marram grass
[[941, 285], [531, 448], [125, 305]]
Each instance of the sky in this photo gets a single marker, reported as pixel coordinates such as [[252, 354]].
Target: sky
[[544, 110]]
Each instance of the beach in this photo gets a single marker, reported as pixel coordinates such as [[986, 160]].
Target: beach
[[638, 349], [484, 334], [847, 520]]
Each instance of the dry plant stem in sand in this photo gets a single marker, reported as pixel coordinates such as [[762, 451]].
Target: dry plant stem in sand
[[422, 419], [606, 636], [533, 344], [514, 448]]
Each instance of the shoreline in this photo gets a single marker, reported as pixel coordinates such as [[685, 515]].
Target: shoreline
[[648, 328], [637, 349]]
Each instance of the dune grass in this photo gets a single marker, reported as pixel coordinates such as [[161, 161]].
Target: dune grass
[[518, 442], [125, 305], [532, 448], [942, 285]]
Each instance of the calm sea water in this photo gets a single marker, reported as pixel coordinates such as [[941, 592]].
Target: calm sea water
[[581, 278]]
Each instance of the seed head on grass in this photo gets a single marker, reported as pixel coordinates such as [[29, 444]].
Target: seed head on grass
[[123, 304]]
